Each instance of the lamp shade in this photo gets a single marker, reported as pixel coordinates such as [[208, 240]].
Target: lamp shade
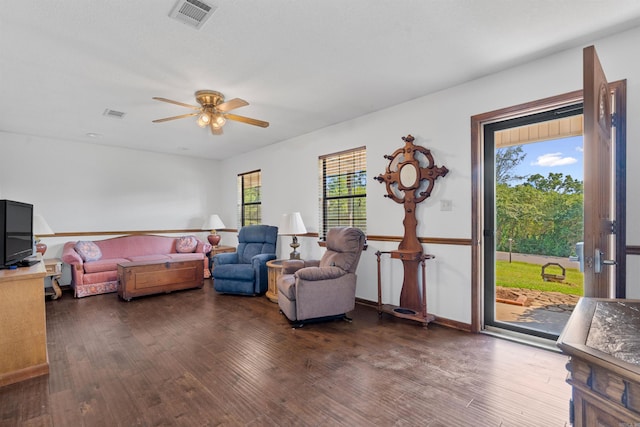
[[40, 226], [213, 223], [291, 224]]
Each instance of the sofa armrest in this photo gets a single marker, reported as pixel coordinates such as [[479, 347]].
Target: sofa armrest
[[71, 257], [319, 273], [203, 247], [225, 258], [69, 254], [290, 266], [259, 264], [260, 260]]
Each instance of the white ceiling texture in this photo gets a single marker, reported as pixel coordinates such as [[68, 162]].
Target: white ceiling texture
[[301, 64]]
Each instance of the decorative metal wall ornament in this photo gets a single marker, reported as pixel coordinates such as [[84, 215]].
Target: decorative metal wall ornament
[[409, 178]]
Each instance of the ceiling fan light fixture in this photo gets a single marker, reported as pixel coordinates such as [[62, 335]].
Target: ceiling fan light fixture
[[204, 119], [218, 120], [213, 110]]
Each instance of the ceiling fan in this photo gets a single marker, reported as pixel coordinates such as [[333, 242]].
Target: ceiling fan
[[213, 111]]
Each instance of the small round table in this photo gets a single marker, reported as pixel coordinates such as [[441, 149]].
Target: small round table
[[275, 271]]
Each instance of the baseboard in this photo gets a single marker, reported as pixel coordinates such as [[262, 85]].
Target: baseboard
[[24, 374]]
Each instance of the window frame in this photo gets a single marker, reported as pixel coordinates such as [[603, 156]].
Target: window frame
[[351, 164], [251, 176]]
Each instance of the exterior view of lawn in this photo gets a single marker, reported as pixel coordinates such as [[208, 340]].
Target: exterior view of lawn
[[524, 275]]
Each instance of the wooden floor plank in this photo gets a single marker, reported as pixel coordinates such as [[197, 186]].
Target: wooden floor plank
[[199, 358]]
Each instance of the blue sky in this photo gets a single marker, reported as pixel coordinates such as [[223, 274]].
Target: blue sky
[[559, 155]]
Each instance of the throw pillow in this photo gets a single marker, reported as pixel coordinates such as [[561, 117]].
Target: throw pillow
[[88, 250], [186, 244]]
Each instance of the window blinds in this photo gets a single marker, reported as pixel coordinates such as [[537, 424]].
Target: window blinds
[[343, 190]]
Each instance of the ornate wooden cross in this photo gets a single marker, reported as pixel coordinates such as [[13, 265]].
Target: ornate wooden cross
[[410, 177]]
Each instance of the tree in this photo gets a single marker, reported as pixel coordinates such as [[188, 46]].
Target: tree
[[542, 215], [556, 182], [507, 159]]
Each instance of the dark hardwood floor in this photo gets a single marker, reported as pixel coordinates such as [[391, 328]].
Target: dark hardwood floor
[[195, 358]]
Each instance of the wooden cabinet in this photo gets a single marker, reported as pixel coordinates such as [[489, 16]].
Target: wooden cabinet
[[154, 277], [23, 332], [603, 341]]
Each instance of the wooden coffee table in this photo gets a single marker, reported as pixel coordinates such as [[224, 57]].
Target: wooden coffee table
[[155, 277]]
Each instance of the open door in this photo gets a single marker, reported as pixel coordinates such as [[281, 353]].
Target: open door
[[604, 160], [599, 191]]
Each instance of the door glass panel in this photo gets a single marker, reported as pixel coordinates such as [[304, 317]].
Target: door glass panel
[[539, 220], [534, 221]]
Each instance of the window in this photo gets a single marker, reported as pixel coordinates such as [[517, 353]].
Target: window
[[343, 190], [249, 198]]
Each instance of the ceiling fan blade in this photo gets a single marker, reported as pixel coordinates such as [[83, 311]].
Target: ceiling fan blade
[[170, 101], [214, 130], [231, 105], [247, 120], [182, 116]]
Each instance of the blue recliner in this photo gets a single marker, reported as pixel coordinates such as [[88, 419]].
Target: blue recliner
[[245, 271]]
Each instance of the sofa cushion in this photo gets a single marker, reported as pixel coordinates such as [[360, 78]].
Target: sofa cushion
[[88, 250], [250, 250], [142, 258], [136, 245], [186, 244], [242, 272], [343, 248], [103, 265]]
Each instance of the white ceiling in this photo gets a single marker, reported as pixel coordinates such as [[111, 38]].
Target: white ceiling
[[301, 64]]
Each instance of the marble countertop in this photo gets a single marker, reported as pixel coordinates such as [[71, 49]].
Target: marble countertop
[[615, 330]]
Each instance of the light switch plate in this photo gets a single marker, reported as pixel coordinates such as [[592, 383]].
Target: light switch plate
[[446, 205]]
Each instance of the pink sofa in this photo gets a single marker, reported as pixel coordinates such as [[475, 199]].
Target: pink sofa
[[101, 276]]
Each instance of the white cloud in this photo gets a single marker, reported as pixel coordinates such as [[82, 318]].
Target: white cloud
[[553, 159], [580, 148]]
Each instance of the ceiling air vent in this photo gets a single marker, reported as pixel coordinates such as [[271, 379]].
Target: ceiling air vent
[[192, 12], [113, 113]]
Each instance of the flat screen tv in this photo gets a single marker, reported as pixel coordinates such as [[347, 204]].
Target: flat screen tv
[[16, 232]]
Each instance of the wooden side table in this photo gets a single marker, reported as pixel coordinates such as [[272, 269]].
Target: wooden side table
[[275, 271], [54, 272]]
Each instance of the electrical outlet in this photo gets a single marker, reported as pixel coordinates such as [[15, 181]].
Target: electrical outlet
[[446, 205]]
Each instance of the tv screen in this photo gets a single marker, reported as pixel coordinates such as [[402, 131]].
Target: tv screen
[[16, 228]]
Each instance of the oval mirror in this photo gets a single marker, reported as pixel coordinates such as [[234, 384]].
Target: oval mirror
[[408, 175]]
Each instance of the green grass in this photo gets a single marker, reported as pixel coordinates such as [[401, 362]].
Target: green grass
[[529, 276]]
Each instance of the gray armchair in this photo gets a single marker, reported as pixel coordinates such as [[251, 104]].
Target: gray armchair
[[325, 289], [245, 271]]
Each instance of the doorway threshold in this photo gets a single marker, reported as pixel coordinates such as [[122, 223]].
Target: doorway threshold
[[539, 342]]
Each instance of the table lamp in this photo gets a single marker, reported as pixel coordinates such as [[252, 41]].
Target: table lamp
[[212, 223], [291, 225], [40, 227]]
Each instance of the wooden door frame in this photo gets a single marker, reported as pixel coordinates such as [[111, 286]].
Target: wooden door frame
[[477, 145]]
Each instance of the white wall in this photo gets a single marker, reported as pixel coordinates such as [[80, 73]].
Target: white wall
[[89, 187], [440, 122], [83, 187]]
